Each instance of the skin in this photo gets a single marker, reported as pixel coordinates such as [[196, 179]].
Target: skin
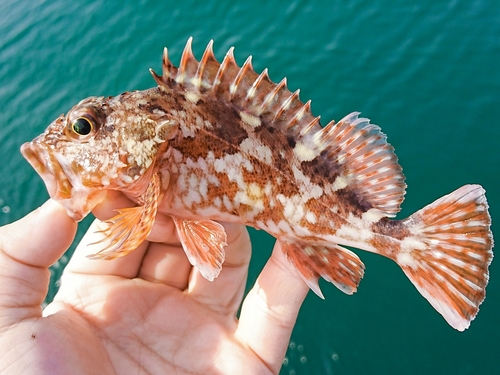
[[149, 312]]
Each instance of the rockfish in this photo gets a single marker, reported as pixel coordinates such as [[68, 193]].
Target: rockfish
[[218, 142]]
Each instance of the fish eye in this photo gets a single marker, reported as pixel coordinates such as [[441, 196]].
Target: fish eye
[[82, 126], [82, 122]]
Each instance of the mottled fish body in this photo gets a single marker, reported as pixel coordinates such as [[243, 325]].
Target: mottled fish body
[[217, 142]]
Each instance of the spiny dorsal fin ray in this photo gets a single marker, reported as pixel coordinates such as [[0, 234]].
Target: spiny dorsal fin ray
[[225, 76], [296, 120], [169, 72], [168, 69], [188, 65], [278, 100], [311, 126], [243, 80], [259, 89], [354, 147], [207, 69]]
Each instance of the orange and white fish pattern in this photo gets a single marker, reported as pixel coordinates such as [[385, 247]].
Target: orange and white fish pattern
[[218, 142]]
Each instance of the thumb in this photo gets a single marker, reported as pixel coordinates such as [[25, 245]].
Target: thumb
[[27, 248]]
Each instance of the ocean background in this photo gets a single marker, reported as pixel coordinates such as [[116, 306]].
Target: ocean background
[[427, 72]]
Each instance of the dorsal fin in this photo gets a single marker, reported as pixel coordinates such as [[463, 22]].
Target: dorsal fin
[[366, 163], [354, 151], [254, 93]]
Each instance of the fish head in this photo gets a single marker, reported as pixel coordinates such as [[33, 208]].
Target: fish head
[[101, 144]]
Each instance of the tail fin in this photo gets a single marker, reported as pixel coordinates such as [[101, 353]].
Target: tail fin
[[448, 252]]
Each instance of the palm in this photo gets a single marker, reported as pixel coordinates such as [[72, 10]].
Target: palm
[[159, 329], [151, 312]]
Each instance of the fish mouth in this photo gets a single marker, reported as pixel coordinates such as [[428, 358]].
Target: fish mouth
[[63, 184]]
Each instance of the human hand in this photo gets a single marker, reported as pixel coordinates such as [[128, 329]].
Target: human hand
[[149, 312]]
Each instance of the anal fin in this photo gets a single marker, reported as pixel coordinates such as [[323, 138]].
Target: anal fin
[[334, 263], [203, 241]]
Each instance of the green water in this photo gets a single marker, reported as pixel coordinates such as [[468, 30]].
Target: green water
[[427, 72]]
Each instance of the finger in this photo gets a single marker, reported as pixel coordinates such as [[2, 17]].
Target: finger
[[225, 293], [165, 260], [27, 248], [270, 310], [114, 200], [166, 264]]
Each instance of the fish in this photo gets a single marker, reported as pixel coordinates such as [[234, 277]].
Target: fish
[[217, 142]]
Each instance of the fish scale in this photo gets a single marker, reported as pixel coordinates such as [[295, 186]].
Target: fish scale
[[218, 142]]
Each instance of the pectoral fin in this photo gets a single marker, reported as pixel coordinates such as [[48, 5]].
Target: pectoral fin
[[203, 241], [131, 226]]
